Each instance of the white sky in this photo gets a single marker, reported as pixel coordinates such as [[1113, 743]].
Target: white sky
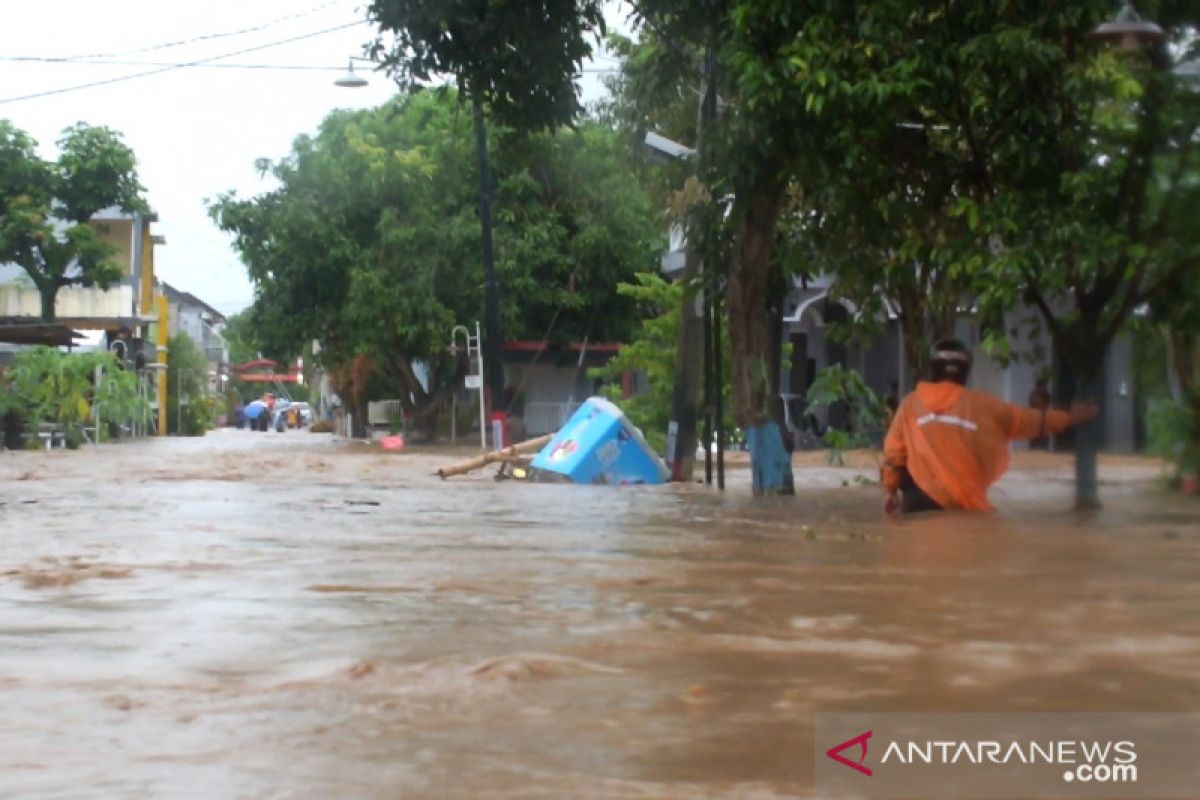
[[196, 131]]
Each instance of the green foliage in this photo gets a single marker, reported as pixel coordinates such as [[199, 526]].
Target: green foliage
[[518, 57], [371, 242], [241, 337], [45, 385], [95, 170], [866, 411], [187, 379], [1174, 433], [652, 353]]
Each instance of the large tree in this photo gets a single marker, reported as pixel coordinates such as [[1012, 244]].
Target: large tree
[[45, 206], [992, 150], [514, 61], [369, 242]]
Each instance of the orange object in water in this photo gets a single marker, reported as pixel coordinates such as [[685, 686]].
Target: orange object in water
[[954, 441], [395, 442]]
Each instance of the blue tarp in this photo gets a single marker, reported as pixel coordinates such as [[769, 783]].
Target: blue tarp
[[599, 445]]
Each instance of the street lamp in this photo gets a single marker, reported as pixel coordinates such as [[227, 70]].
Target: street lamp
[[691, 344], [699, 339], [1128, 30], [351, 79]]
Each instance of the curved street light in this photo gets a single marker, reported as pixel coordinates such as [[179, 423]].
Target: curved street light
[[1128, 30]]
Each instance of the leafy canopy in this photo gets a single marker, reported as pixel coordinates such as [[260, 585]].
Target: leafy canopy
[[45, 206], [517, 57], [370, 243]]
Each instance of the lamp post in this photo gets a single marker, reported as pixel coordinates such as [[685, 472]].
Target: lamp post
[[495, 375], [699, 341], [692, 343], [1129, 33]]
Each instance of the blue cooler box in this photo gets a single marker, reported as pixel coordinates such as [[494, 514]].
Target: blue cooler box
[[598, 445]]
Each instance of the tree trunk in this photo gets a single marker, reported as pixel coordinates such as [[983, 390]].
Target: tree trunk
[[1185, 360], [916, 348], [1087, 488], [48, 295], [358, 420], [749, 339]]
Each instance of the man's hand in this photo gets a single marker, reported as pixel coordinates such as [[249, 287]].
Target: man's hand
[[891, 503], [1083, 412]]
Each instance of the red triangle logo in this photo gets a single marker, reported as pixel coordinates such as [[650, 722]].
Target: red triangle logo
[[835, 753]]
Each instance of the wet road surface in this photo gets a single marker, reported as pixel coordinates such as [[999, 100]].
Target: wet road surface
[[283, 615]]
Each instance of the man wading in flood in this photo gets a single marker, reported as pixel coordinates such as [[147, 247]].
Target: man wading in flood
[[947, 444]]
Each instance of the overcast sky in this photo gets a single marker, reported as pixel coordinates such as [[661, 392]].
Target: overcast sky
[[196, 131]]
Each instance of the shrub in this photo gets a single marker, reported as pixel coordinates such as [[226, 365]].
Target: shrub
[[47, 385], [865, 409], [1174, 432]]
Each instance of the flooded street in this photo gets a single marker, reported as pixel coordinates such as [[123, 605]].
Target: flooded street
[[285, 615]]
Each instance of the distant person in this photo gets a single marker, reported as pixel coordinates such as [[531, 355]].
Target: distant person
[[264, 421], [1039, 399], [947, 444]]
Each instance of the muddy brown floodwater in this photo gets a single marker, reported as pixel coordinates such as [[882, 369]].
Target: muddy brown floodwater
[[254, 615]]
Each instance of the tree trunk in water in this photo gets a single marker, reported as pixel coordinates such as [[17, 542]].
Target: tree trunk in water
[[749, 334], [1087, 490]]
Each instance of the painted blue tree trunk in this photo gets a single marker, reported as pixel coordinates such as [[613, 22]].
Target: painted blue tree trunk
[[770, 462]]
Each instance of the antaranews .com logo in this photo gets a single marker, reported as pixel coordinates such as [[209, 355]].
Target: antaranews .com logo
[[1031, 756], [1086, 761]]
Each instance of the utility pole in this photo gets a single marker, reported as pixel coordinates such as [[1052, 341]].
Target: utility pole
[[696, 340], [495, 373], [713, 292]]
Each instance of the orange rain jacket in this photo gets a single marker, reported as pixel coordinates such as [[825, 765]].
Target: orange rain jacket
[[954, 441]]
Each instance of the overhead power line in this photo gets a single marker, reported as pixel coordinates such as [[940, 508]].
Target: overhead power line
[[173, 64], [188, 64], [170, 67], [204, 37]]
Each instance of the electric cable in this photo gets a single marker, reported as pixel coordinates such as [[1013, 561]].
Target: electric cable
[[204, 37], [160, 70]]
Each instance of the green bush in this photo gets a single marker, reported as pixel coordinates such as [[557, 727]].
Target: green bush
[[1173, 429], [865, 409], [45, 385], [187, 378]]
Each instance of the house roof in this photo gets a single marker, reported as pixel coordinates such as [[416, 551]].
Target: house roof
[[187, 298], [529, 346], [52, 334], [112, 214]]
